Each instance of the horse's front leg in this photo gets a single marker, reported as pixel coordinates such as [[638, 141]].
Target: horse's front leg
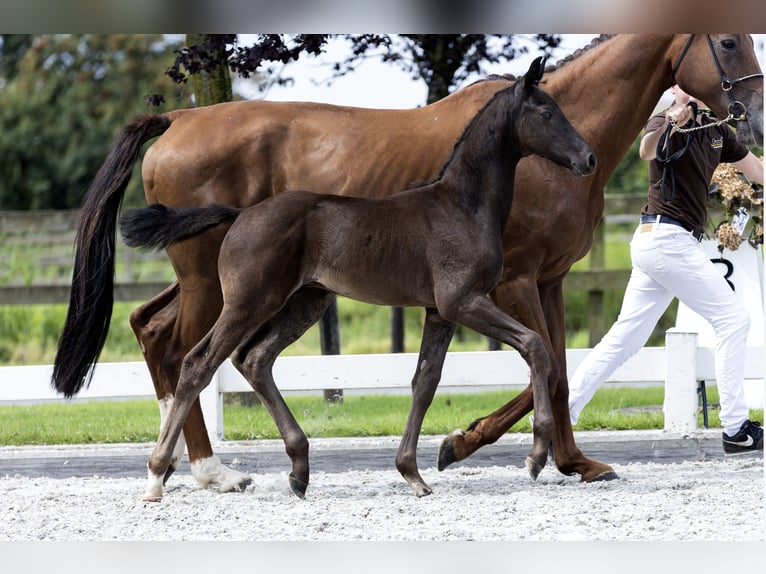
[[437, 334], [569, 459]]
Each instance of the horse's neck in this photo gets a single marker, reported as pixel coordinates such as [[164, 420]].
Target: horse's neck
[[609, 92]]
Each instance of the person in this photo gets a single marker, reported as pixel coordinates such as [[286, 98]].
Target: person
[[668, 262]]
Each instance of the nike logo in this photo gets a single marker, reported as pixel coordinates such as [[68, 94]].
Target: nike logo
[[748, 442]]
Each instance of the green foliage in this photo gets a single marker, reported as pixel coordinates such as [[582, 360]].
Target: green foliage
[[63, 102]]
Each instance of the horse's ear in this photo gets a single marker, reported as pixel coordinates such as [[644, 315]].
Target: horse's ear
[[535, 72]]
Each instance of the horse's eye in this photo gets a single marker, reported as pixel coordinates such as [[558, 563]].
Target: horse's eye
[[547, 114], [729, 44]]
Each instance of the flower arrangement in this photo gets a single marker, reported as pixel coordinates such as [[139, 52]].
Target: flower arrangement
[[739, 200]]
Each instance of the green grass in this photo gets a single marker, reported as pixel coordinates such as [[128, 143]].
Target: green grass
[[357, 416]]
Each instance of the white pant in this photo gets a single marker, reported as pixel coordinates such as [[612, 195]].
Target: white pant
[[668, 262]]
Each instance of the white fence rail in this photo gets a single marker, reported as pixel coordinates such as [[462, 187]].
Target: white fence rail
[[679, 366]]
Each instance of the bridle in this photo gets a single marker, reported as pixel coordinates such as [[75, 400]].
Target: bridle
[[663, 154], [726, 83]]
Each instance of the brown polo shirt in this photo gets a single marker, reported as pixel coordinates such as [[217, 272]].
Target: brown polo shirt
[[692, 171]]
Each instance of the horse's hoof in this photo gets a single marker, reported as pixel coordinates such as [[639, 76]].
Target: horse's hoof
[[533, 468], [604, 476], [298, 487], [152, 498], [236, 485], [447, 451]]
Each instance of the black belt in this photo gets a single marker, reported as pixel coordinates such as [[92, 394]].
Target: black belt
[[667, 219]]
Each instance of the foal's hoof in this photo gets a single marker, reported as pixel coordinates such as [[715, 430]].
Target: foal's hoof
[[534, 468], [447, 453], [298, 486]]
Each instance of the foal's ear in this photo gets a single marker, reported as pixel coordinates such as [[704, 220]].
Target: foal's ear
[[535, 72]]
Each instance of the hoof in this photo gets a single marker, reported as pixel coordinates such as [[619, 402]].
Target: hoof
[[236, 485], [604, 476], [298, 487], [447, 451], [533, 468], [152, 498], [421, 492]]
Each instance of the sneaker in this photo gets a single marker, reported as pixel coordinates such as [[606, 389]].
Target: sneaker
[[749, 437]]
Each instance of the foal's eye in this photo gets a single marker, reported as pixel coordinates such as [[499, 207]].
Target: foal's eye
[[547, 114], [729, 44]]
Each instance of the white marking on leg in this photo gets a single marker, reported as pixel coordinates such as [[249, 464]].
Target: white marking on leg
[[210, 471], [153, 491], [178, 451]]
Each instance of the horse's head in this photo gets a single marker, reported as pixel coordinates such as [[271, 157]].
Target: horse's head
[[722, 71], [543, 129]]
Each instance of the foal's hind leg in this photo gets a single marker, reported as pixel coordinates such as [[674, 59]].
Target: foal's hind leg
[[255, 360], [154, 325], [481, 315], [437, 334], [198, 368]]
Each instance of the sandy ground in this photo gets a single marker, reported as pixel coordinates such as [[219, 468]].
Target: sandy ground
[[711, 500]]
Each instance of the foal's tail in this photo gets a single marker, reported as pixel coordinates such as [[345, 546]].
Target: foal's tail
[[91, 296], [157, 226]]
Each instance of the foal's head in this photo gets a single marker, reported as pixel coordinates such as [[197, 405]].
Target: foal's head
[[543, 129]]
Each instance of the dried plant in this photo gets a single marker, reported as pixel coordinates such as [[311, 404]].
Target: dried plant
[[733, 193]]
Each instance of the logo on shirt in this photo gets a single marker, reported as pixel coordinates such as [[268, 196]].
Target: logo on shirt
[[716, 143]]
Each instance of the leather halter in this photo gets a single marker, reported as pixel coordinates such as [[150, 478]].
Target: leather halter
[[726, 83]]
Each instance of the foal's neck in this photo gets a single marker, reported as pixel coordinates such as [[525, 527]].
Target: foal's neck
[[479, 176]]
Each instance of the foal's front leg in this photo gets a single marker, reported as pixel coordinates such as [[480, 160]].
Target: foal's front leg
[[437, 334], [484, 317]]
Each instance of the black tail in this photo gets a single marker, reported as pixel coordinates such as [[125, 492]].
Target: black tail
[[157, 226], [91, 296]]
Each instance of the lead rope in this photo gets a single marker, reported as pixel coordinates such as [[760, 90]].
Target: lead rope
[[664, 156]]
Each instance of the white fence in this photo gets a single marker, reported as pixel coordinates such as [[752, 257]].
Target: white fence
[[679, 366]]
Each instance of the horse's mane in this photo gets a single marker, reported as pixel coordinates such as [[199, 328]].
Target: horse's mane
[[579, 52], [550, 68]]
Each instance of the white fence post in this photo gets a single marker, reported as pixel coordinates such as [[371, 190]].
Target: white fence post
[[681, 402], [211, 402]]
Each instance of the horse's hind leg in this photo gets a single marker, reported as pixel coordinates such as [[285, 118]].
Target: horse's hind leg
[[437, 334], [255, 361]]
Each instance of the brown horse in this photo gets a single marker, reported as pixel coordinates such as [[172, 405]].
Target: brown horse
[[241, 153], [438, 246]]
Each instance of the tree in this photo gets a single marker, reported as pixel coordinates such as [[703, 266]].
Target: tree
[[64, 99]]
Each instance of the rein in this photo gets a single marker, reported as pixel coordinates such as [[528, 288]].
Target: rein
[[664, 156]]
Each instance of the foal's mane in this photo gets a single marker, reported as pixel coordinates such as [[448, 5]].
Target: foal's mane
[[470, 126]]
